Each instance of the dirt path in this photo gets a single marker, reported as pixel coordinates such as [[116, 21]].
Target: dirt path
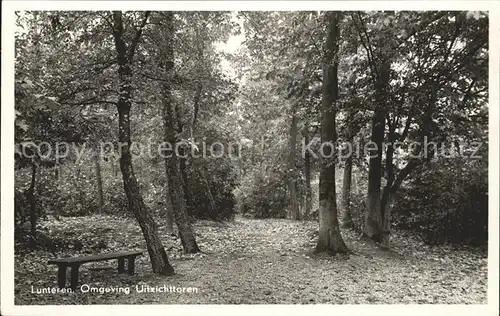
[[268, 261]]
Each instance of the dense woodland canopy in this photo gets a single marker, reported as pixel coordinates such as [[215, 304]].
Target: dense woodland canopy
[[110, 85]]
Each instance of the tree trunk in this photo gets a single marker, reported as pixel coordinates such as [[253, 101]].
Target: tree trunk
[[100, 194], [385, 202], [157, 253], [169, 215], [373, 216], [307, 173], [330, 239], [183, 162], [210, 197], [346, 194], [185, 181], [30, 196], [347, 181], [292, 175], [174, 179], [171, 162]]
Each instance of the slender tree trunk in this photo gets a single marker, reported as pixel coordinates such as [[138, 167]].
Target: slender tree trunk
[[307, 173], [330, 240], [30, 196], [157, 253], [211, 201], [347, 181], [171, 162], [114, 167], [385, 203], [292, 174], [346, 194], [184, 178], [169, 215], [174, 179], [100, 194], [183, 161]]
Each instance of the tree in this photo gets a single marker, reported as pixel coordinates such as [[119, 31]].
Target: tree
[[173, 173], [98, 176], [423, 48], [307, 175], [330, 239], [124, 58], [346, 217], [292, 184]]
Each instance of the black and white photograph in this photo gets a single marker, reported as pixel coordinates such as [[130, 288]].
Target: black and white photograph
[[221, 155]]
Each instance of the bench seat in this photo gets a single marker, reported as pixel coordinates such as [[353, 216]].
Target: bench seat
[[75, 262]]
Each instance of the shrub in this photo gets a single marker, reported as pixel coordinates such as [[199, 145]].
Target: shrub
[[447, 202], [264, 197], [221, 182]]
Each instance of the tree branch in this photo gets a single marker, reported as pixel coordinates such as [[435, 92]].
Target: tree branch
[[91, 101], [137, 36]]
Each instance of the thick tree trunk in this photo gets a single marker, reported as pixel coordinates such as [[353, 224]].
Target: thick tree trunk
[[330, 239], [373, 217], [171, 162], [292, 174], [100, 193], [157, 253], [307, 173]]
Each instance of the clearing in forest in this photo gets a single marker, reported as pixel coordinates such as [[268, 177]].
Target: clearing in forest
[[250, 261]]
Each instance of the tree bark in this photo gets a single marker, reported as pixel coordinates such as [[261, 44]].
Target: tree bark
[[330, 239], [346, 194], [174, 179], [385, 203], [292, 174], [157, 253], [173, 173], [169, 215], [30, 196], [307, 173], [183, 162], [373, 219], [372, 227], [347, 180], [100, 194]]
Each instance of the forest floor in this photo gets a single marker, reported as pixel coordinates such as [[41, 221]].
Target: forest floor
[[251, 261]]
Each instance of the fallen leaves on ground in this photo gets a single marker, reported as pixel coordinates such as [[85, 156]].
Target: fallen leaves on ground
[[250, 261]]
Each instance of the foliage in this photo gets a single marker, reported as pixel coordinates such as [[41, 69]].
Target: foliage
[[263, 196], [448, 202]]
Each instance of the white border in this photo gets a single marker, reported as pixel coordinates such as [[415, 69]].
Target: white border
[[7, 160]]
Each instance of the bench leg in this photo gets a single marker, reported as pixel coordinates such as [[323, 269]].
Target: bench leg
[[121, 265], [131, 265], [61, 276], [74, 276]]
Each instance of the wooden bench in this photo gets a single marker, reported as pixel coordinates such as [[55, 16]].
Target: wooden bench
[[75, 263]]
